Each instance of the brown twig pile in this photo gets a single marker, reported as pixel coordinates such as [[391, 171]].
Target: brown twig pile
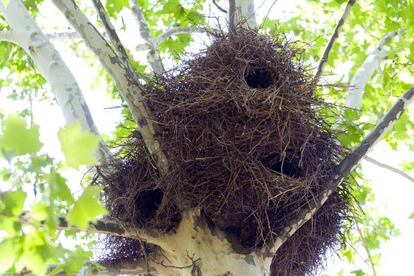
[[245, 142]]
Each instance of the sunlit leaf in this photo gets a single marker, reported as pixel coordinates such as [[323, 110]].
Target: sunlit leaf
[[78, 146], [18, 139], [13, 203], [87, 208], [9, 250]]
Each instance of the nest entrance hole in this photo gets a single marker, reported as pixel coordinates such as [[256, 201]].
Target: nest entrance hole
[[148, 203], [284, 167], [258, 78]]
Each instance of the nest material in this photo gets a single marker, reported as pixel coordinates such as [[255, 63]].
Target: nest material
[[245, 142]]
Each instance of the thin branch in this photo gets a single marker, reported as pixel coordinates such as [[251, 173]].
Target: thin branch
[[175, 31], [333, 38], [219, 7], [346, 166], [153, 57], [122, 74], [110, 29], [390, 168], [364, 245], [113, 228], [104, 226]]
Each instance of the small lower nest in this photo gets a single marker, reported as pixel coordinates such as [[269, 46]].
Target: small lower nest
[[246, 144]]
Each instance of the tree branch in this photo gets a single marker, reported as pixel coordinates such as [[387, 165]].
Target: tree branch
[[219, 7], [123, 75], [363, 75], [112, 228], [153, 57], [346, 166], [390, 168], [110, 29], [364, 245], [333, 38], [67, 92]]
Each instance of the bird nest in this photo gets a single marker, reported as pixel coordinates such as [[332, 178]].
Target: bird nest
[[246, 143]]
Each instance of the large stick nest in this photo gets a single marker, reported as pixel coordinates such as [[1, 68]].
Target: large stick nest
[[246, 143]]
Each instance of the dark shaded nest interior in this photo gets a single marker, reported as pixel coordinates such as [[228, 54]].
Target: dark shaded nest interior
[[246, 143]]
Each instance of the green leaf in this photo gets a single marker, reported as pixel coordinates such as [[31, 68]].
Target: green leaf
[[34, 261], [17, 139], [78, 146], [87, 208], [358, 272], [13, 203], [8, 254], [39, 211], [75, 260], [59, 189], [411, 216], [113, 7], [5, 2]]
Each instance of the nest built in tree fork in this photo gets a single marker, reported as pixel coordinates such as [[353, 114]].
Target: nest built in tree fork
[[248, 152]]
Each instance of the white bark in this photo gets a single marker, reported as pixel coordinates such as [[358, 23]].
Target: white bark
[[365, 72], [122, 74], [190, 250], [204, 252], [25, 33], [245, 14], [7, 36]]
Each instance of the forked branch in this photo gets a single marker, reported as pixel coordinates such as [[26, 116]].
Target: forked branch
[[346, 166]]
